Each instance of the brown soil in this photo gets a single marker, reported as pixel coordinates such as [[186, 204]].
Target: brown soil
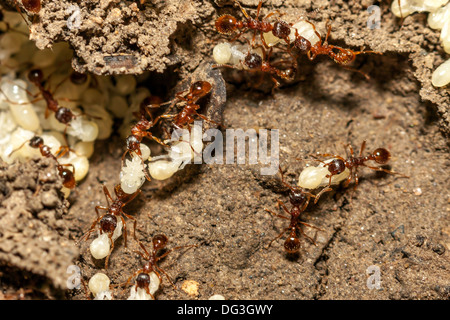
[[400, 225]]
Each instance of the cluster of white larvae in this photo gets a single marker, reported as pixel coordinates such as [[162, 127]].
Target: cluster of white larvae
[[181, 151], [95, 103], [225, 53], [438, 19]]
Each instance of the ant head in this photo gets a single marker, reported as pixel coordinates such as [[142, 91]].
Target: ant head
[[226, 24], [336, 166], [297, 197], [289, 73], [381, 155], [142, 280], [253, 60], [200, 88], [292, 243], [78, 78], [133, 143], [281, 29], [159, 241], [68, 178], [108, 223], [302, 44], [35, 76], [36, 142], [64, 115]]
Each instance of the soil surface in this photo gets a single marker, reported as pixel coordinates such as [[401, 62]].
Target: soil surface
[[392, 229]]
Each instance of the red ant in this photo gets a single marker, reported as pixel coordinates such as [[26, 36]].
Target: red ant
[[339, 164], [140, 129], [108, 221], [185, 117], [254, 62], [342, 56], [143, 275], [68, 176], [299, 200], [62, 114], [227, 24]]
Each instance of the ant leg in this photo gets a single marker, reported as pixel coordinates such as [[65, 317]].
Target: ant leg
[[207, 119], [134, 223], [310, 225], [245, 12], [110, 251], [363, 146], [173, 249], [133, 196], [167, 276], [150, 135], [107, 194], [91, 229], [328, 27], [306, 236], [326, 155], [349, 179], [277, 214], [124, 225], [280, 203], [101, 208], [131, 277], [385, 170], [147, 290], [145, 250], [278, 237], [326, 189]]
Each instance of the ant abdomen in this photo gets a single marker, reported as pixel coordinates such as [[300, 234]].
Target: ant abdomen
[[281, 29], [68, 177], [336, 166], [381, 156], [292, 244], [253, 60], [226, 24]]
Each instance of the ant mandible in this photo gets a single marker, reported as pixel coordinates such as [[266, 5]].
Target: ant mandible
[[142, 275], [342, 57], [67, 176], [227, 24], [108, 221], [299, 199], [339, 164]]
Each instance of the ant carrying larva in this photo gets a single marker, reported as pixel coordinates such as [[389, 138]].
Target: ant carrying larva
[[299, 199], [227, 24], [148, 278], [109, 227], [339, 164]]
